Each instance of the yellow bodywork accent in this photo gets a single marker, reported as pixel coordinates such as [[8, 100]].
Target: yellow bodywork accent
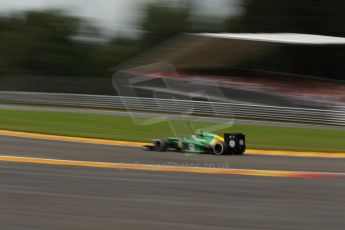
[[217, 139]]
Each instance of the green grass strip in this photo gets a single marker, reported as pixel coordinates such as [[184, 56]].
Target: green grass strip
[[125, 128]]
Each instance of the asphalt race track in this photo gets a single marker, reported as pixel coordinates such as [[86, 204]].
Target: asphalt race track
[[39, 196]]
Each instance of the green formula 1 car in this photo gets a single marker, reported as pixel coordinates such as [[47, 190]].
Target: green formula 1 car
[[202, 142]]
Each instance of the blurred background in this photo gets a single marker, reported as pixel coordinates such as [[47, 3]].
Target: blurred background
[[273, 70], [76, 46]]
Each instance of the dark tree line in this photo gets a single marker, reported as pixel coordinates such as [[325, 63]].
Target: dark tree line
[[50, 42]]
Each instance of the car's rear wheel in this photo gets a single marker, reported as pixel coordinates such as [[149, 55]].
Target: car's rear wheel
[[219, 148], [160, 145]]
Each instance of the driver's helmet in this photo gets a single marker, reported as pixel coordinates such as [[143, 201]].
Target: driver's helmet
[[200, 134]]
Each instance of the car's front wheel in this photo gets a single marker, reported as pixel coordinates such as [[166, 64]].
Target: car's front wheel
[[219, 148], [160, 145]]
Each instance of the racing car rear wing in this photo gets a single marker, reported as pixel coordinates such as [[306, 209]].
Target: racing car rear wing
[[235, 142]]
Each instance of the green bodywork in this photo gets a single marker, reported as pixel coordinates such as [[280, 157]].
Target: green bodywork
[[201, 142]]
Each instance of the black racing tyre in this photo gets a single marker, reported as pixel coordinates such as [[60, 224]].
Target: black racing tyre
[[241, 150], [160, 145], [219, 148]]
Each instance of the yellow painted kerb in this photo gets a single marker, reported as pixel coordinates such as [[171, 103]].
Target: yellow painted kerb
[[70, 139], [139, 144], [163, 168]]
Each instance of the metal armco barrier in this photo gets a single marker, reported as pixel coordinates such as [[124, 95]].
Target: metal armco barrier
[[334, 116]]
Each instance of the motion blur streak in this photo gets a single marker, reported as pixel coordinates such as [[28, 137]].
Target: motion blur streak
[[295, 153], [71, 139], [139, 144], [247, 172]]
